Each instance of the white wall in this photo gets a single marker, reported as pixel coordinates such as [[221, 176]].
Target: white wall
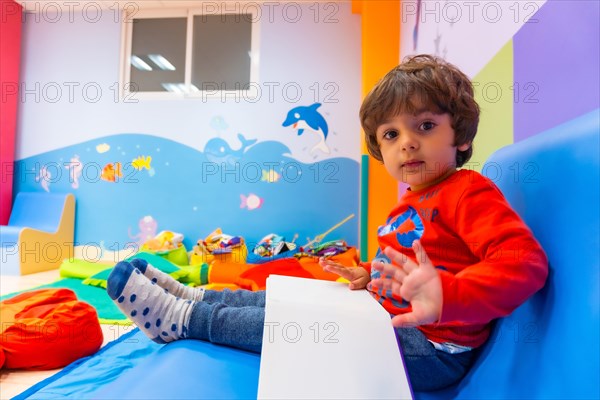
[[68, 57], [465, 33], [69, 93]]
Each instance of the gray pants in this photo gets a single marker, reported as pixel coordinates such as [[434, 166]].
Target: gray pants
[[236, 318], [232, 317]]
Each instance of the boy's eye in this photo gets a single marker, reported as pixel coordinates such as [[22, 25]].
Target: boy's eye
[[427, 126], [391, 134]]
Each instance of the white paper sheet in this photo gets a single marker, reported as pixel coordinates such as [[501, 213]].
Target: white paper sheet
[[324, 341]]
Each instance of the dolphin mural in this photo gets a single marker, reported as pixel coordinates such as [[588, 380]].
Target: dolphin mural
[[302, 118], [218, 151]]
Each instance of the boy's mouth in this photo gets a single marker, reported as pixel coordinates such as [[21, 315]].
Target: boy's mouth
[[412, 163]]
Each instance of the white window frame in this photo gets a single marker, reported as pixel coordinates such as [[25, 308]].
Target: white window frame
[[126, 44]]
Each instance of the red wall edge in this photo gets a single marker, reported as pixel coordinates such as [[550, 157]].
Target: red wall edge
[[10, 56]]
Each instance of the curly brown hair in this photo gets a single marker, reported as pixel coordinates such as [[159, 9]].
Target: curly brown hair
[[422, 81]]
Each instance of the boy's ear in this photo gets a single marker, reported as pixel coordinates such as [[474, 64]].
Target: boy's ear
[[464, 146]]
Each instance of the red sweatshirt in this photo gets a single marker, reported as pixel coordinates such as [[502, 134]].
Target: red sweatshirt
[[488, 260]]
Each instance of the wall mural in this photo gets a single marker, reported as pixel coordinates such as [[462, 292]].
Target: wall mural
[[284, 162], [308, 118], [131, 186]]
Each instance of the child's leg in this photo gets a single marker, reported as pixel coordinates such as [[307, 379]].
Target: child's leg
[[235, 298], [240, 327], [160, 315], [164, 317], [166, 281], [428, 368]]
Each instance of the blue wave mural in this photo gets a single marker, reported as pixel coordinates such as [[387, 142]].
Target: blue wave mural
[[131, 186]]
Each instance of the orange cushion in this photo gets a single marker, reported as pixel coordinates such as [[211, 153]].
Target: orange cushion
[[47, 329]]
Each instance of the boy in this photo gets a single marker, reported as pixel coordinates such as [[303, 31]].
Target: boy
[[455, 255]]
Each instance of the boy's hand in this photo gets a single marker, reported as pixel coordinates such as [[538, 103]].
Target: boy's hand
[[418, 283], [358, 276]]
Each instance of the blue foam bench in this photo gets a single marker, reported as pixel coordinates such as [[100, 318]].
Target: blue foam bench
[[39, 234], [548, 348]]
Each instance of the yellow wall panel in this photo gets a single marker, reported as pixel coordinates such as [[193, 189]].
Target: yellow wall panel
[[494, 94]]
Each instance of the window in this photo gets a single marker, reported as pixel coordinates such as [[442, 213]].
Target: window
[[190, 53], [157, 54]]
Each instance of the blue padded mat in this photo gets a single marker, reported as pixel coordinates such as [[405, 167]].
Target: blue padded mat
[[134, 367], [189, 369], [83, 377]]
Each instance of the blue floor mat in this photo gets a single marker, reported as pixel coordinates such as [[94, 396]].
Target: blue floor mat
[[134, 367], [83, 377]]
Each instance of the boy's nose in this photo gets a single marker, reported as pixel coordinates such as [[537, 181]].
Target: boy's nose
[[409, 143]]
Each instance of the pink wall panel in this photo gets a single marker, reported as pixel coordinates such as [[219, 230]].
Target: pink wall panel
[[10, 51]]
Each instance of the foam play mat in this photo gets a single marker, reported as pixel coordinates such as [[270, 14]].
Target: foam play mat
[[124, 367], [83, 377]]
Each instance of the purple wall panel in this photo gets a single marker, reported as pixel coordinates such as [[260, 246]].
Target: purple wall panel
[[556, 66]]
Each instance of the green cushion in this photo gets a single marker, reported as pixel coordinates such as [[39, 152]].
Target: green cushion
[[99, 279], [81, 269], [177, 256]]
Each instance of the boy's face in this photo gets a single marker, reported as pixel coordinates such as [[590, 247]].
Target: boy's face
[[418, 149]]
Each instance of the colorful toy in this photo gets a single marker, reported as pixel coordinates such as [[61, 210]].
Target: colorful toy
[[319, 238], [327, 249], [218, 245], [169, 245], [273, 245], [165, 240]]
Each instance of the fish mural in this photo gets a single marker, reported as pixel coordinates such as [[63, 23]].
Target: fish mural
[[302, 118], [142, 162], [251, 201], [270, 176], [111, 172], [182, 199], [218, 150]]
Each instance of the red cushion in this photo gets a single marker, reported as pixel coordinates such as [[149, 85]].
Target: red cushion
[[47, 329]]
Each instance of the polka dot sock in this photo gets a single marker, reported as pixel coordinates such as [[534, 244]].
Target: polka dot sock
[[166, 281], [160, 315]]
